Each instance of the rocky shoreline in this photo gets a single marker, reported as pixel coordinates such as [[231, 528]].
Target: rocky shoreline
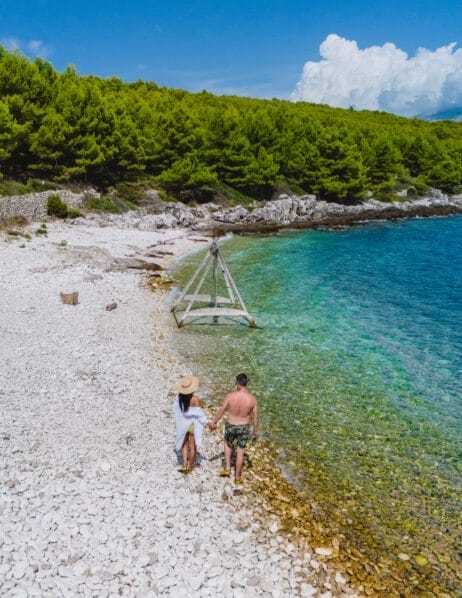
[[285, 212], [347, 217], [92, 502]]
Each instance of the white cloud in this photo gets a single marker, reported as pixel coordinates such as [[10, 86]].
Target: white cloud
[[34, 47], [38, 48], [10, 43], [383, 78]]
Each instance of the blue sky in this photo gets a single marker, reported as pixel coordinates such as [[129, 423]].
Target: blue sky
[[248, 48]]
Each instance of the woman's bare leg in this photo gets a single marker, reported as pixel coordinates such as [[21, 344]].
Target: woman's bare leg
[[184, 451], [227, 450], [191, 451]]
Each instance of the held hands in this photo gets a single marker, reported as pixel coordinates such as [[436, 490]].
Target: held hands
[[212, 426]]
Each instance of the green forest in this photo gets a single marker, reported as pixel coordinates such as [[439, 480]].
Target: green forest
[[66, 128]]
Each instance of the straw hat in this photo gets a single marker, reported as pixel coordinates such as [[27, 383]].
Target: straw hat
[[187, 385]]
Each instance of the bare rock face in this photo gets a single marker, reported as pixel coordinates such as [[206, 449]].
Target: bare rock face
[[306, 211], [306, 204], [231, 216], [281, 211], [165, 220]]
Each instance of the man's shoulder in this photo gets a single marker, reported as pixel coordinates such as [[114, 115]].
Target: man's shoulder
[[241, 396]]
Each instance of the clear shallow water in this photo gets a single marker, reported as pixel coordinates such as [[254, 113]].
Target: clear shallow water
[[358, 367]]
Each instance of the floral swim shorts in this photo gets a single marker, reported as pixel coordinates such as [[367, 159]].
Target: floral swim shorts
[[236, 435]]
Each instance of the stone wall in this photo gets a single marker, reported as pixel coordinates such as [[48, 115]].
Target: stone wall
[[34, 205]]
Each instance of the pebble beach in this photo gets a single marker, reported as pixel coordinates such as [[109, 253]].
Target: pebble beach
[[91, 501]]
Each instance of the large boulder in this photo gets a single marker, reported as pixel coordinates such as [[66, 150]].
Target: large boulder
[[230, 216], [306, 205], [183, 214], [282, 211]]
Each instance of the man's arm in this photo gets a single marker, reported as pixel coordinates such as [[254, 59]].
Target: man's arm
[[255, 419], [219, 415]]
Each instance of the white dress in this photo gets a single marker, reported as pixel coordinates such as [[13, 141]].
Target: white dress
[[194, 415]]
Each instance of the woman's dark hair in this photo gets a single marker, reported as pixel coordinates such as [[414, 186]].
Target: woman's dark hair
[[184, 400]]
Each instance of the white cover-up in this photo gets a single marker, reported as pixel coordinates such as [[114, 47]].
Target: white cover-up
[[194, 415]]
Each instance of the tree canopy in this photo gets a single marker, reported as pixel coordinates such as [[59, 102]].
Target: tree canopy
[[69, 128]]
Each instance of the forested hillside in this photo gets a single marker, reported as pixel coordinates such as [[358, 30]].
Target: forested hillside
[[67, 128]]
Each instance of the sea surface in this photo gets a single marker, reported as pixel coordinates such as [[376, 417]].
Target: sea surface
[[358, 368]]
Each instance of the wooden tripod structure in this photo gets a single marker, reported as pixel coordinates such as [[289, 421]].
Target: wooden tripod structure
[[227, 307]]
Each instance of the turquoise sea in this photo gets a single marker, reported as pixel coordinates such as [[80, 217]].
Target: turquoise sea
[[358, 367]]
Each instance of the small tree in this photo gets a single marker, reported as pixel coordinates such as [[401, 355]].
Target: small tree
[[56, 207]]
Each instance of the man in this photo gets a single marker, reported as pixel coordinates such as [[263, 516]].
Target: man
[[241, 405]]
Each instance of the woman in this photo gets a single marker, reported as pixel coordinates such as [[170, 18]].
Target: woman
[[189, 421]]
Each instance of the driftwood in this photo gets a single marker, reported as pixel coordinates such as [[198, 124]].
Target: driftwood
[[168, 242], [199, 239], [159, 254], [70, 298], [136, 264]]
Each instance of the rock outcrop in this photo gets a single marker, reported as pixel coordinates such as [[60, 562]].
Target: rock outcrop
[[307, 212], [285, 211]]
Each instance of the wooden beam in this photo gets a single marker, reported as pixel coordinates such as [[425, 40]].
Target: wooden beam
[[208, 299], [217, 311]]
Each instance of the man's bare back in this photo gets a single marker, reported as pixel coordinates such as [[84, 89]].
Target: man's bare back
[[241, 404]]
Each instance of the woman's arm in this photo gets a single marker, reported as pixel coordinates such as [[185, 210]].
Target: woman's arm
[[195, 401], [219, 415], [196, 413]]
